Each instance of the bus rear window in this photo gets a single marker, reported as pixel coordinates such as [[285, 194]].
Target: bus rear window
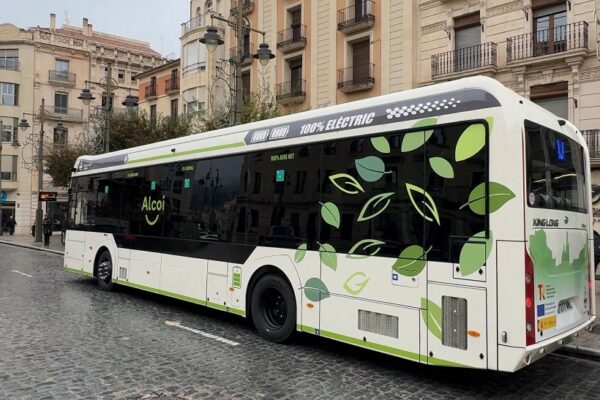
[[555, 170]]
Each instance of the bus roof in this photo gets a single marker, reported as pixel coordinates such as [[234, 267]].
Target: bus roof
[[412, 105]]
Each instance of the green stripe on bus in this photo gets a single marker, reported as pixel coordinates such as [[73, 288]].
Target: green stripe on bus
[[386, 349], [78, 271], [188, 152], [306, 328], [182, 297]]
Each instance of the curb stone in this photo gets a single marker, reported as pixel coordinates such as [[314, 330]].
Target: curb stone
[[25, 246]]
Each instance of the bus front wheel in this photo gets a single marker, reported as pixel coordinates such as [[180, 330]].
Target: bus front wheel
[[273, 308], [104, 271]]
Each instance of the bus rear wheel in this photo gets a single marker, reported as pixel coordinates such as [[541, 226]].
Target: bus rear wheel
[[104, 271], [273, 307]]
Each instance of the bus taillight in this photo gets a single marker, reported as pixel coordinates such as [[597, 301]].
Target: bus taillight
[[529, 301]]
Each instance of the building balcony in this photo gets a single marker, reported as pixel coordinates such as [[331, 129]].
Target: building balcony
[[63, 78], [548, 45], [473, 60], [247, 54], [358, 77], [291, 92], [357, 17], [64, 113], [592, 139], [293, 38], [150, 92], [194, 23], [10, 64], [247, 7], [172, 85]]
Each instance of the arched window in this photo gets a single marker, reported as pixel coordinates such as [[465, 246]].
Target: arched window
[[198, 11], [208, 6], [61, 134]]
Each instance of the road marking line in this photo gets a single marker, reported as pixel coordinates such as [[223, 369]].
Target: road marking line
[[199, 332], [22, 273]]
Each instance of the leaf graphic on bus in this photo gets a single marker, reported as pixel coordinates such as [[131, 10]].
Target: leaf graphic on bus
[[328, 255], [414, 140], [499, 195], [370, 246], [470, 142], [342, 181], [432, 316], [490, 122], [330, 214], [356, 283], [432, 212], [442, 167], [411, 261], [315, 290], [474, 253], [375, 206], [300, 253], [381, 144], [370, 168]]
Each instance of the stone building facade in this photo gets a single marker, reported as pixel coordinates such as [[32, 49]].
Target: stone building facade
[[55, 64]]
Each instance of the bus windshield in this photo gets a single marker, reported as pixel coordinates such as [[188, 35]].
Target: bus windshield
[[555, 170]]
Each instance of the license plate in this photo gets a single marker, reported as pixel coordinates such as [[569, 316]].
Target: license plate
[[564, 305], [547, 323]]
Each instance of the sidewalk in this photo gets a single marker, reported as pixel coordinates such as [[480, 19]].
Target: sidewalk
[[586, 343], [28, 242]]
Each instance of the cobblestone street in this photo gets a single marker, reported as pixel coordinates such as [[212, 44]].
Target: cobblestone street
[[63, 338]]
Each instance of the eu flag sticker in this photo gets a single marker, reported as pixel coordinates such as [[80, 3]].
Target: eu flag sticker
[[541, 311]]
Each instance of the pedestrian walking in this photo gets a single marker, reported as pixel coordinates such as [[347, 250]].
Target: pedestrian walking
[[10, 225], [47, 230]]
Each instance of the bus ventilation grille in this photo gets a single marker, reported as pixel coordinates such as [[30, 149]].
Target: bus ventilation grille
[[122, 273], [381, 324], [454, 322]]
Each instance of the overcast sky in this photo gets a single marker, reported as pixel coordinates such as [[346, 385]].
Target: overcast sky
[[155, 21]]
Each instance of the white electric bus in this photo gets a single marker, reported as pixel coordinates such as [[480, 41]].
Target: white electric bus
[[448, 225]]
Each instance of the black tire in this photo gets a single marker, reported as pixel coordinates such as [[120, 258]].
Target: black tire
[[273, 307], [104, 271]]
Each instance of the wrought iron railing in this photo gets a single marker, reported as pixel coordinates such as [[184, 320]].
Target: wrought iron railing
[[357, 76], [194, 23], [247, 53], [290, 89], [592, 138], [64, 113], [150, 91], [467, 58], [247, 7], [62, 76], [548, 41], [291, 36], [172, 84], [361, 13]]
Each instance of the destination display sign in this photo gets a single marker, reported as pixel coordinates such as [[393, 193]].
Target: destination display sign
[[47, 196]]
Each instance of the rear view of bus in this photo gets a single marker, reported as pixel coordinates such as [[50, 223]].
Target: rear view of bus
[[558, 258]]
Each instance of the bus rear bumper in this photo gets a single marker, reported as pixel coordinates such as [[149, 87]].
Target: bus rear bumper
[[511, 359]]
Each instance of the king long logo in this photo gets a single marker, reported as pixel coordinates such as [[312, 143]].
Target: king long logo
[[153, 206]]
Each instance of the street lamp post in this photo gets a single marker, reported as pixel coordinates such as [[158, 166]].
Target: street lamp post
[[109, 86], [41, 116], [212, 39]]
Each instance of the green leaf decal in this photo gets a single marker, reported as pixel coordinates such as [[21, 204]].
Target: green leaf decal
[[411, 261], [381, 144], [414, 140], [375, 206], [356, 283], [442, 167], [429, 204], [474, 253], [370, 246], [330, 214], [432, 316], [343, 181], [470, 142], [328, 255], [499, 195], [300, 253], [315, 290], [370, 168]]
